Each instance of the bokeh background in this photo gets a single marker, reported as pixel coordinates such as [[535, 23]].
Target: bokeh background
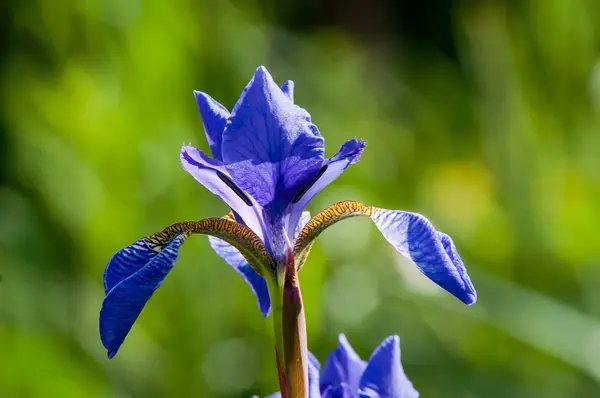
[[484, 116]]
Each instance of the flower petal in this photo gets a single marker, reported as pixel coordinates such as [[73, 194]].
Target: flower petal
[[214, 117], [213, 175], [384, 376], [332, 168], [288, 89], [342, 368], [130, 279], [313, 376], [341, 391], [433, 252], [233, 257], [303, 221], [270, 147]]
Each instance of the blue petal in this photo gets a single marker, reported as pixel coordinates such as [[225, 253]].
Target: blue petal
[[234, 258], [433, 252], [332, 168], [384, 376], [270, 147], [313, 376], [342, 369], [304, 219], [212, 174], [288, 89], [214, 117], [130, 279], [341, 391]]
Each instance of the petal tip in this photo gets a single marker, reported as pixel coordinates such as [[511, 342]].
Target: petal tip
[[288, 89], [470, 298], [262, 75]]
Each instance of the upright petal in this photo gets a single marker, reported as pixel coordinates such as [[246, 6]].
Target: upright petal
[[433, 252], [234, 258], [130, 279], [343, 368], [332, 168], [270, 147], [288, 89], [214, 117], [213, 175], [304, 219], [384, 376], [313, 376]]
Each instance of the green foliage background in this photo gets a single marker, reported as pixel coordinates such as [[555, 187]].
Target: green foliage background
[[501, 150]]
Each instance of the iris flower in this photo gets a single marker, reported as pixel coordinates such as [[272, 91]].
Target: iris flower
[[267, 164], [345, 375]]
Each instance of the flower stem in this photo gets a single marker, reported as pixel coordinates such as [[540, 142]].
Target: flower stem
[[295, 350], [277, 313]]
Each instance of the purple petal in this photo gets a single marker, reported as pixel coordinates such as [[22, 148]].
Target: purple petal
[[450, 249], [384, 376], [332, 168], [288, 89], [341, 391], [343, 368], [214, 117], [270, 147], [213, 175], [130, 279], [304, 219], [433, 252], [313, 376], [233, 257]]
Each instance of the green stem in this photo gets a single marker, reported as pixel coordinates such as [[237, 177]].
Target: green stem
[[277, 313]]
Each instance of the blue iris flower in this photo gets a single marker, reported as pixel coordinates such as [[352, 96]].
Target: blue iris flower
[[345, 375], [267, 164]]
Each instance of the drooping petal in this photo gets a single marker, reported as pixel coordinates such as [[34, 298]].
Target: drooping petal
[[450, 249], [270, 147], [134, 273], [343, 368], [214, 117], [288, 89], [411, 234], [433, 252], [213, 175], [234, 258], [384, 375], [332, 168], [130, 279]]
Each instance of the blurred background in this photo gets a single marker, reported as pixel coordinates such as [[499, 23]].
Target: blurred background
[[484, 116]]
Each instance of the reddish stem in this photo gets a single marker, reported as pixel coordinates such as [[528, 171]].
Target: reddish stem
[[280, 375], [294, 335]]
